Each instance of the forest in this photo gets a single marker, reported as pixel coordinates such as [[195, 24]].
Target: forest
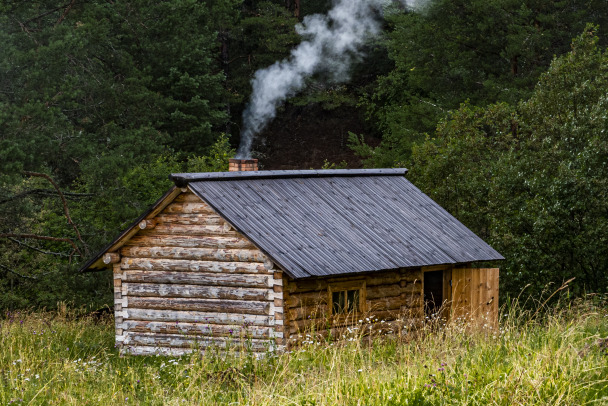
[[498, 108]]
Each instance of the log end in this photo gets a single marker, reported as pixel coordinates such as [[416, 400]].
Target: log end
[[268, 264], [111, 258], [147, 224]]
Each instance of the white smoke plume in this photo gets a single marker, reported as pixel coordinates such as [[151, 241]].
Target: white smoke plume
[[331, 42]]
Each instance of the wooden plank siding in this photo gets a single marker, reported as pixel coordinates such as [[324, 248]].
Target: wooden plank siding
[[188, 280], [393, 300], [475, 295]]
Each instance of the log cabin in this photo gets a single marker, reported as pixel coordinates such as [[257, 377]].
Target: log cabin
[[254, 258]]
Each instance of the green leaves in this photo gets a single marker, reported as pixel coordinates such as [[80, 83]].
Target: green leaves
[[478, 51], [533, 179], [101, 96], [108, 98]]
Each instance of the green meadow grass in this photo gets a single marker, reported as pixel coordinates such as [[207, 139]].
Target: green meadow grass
[[555, 357]]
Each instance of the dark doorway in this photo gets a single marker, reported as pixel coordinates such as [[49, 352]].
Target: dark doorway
[[433, 292]]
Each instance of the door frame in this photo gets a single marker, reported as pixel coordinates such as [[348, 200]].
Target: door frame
[[447, 288]]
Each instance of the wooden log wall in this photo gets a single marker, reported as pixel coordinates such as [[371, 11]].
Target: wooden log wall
[[188, 279], [393, 300]]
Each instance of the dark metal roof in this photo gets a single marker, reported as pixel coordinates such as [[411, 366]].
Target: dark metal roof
[[316, 223]]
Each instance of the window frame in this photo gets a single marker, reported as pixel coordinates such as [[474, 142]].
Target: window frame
[[335, 287]]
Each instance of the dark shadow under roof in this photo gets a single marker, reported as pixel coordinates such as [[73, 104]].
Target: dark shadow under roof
[[317, 223]]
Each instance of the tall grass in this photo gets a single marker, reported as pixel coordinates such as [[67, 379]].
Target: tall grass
[[558, 357]]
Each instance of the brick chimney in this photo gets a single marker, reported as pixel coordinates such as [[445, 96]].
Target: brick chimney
[[235, 165]]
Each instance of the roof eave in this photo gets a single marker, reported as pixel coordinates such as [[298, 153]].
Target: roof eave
[[96, 263], [182, 179]]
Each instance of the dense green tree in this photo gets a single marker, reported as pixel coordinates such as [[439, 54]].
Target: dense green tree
[[533, 179], [478, 51], [106, 84], [99, 102], [90, 92]]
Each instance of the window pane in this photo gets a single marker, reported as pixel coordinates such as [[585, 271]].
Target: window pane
[[345, 301], [352, 300], [337, 299]]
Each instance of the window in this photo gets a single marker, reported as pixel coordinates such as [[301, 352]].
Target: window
[[347, 297], [345, 301]]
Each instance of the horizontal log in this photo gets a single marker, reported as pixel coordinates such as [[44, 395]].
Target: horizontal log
[[188, 208], [186, 219], [309, 325], [202, 329], [307, 285], [145, 350], [170, 351], [181, 341], [345, 332], [196, 291], [319, 284], [392, 303], [198, 254], [363, 329], [198, 278], [383, 278], [147, 224], [188, 197], [200, 305], [411, 276], [187, 241], [307, 299], [195, 317], [111, 258], [307, 312], [192, 266], [324, 323], [373, 293], [268, 264], [382, 291], [195, 229], [412, 288], [413, 301]]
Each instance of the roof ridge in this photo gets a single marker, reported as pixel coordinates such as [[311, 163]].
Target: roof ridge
[[182, 179]]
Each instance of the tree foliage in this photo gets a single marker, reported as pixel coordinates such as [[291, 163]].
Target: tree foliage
[[106, 99], [101, 100], [474, 51], [533, 178]]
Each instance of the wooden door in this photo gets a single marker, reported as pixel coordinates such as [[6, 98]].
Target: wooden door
[[475, 295], [437, 299], [433, 293]]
